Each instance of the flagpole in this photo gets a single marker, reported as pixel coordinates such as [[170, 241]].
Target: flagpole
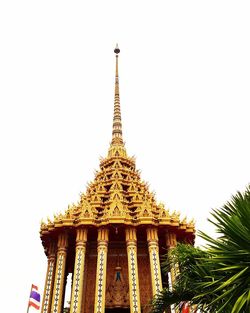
[[29, 300]]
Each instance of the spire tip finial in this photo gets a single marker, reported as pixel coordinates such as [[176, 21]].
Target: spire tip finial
[[117, 50], [117, 123]]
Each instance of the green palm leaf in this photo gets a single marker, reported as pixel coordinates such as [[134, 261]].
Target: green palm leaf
[[217, 278]]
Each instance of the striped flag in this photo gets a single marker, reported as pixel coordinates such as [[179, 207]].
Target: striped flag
[[34, 300], [185, 307]]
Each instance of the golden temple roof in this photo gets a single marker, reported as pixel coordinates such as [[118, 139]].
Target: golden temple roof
[[117, 194]]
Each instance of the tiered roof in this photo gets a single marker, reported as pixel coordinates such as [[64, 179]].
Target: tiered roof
[[117, 194]]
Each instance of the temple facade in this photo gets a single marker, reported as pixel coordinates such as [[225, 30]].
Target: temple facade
[[112, 240]]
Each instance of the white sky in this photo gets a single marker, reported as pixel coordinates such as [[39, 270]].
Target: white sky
[[184, 82]]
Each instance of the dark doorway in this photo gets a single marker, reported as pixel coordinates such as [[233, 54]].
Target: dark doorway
[[117, 310]]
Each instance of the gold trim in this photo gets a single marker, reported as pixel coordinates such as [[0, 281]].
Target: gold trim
[[59, 286], [134, 288], [49, 281], [155, 269], [77, 288], [101, 270]]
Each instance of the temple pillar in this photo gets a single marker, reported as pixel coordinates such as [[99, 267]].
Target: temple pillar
[[101, 270], [134, 291], [155, 268], [49, 281], [171, 243], [77, 289], [57, 301]]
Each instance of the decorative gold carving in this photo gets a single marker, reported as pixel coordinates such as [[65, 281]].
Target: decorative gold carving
[[101, 270], [48, 288], [134, 289], [130, 233], [117, 257], [59, 286], [152, 235], [117, 195], [153, 248], [76, 299], [117, 294], [171, 239], [102, 238]]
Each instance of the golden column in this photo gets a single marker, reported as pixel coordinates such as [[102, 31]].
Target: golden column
[[153, 248], [76, 296], [134, 293], [171, 242], [101, 270], [59, 286], [48, 288]]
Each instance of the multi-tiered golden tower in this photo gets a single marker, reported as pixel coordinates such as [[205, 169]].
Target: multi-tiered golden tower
[[112, 239]]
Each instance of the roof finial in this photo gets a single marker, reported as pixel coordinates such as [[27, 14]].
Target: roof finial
[[117, 50], [117, 122]]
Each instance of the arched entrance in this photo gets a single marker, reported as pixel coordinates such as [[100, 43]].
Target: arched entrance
[[117, 310]]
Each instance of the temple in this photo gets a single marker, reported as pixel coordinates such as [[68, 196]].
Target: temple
[[112, 240]]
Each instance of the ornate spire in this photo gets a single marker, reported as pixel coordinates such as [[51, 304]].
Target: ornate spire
[[117, 122]]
